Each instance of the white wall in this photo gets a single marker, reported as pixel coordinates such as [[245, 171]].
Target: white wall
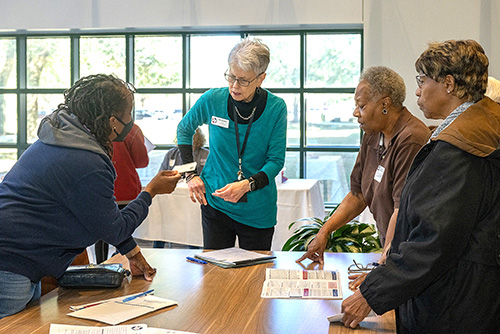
[[396, 31], [55, 14]]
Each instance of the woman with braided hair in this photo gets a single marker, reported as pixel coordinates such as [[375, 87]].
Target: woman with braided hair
[[58, 198]]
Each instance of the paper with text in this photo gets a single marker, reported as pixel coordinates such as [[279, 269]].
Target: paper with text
[[124, 329], [311, 284]]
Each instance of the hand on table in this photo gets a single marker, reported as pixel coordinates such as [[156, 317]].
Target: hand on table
[[356, 280], [355, 309], [315, 250], [139, 266]]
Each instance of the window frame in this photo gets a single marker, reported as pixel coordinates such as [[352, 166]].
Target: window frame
[[302, 148]]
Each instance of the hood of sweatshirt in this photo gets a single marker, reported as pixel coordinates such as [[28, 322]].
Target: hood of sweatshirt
[[63, 129]]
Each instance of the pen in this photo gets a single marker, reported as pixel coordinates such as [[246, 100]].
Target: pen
[[87, 306], [195, 260], [136, 296]]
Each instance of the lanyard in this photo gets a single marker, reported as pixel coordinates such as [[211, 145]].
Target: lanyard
[[240, 151]]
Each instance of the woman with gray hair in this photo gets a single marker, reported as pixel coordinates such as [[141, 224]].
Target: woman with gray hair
[[247, 136], [393, 136], [443, 274]]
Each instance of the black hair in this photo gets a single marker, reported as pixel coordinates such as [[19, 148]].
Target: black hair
[[93, 100]]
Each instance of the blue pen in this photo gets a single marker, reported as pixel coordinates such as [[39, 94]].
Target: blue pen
[[136, 296], [195, 260]]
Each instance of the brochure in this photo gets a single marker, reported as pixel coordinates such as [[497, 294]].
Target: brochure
[[311, 284]]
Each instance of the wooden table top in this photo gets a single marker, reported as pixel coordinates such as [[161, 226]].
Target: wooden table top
[[211, 299]]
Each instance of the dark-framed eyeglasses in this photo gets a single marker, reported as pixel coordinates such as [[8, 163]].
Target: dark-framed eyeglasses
[[242, 82], [420, 82]]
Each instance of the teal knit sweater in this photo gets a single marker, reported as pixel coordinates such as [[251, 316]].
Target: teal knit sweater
[[265, 151]]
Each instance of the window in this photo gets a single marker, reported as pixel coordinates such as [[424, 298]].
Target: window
[[102, 55], [315, 72]]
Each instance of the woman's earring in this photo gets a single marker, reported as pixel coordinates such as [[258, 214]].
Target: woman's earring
[[258, 90], [384, 111]]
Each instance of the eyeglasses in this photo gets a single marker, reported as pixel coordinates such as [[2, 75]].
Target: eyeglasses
[[419, 80], [242, 82], [359, 268]]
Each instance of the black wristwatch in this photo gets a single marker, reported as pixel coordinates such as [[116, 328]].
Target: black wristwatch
[[252, 184]]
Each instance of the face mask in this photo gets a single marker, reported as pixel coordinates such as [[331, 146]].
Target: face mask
[[127, 127]]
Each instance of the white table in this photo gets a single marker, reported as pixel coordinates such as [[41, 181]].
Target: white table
[[174, 218]]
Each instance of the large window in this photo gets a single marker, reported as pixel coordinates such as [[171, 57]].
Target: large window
[[315, 72]]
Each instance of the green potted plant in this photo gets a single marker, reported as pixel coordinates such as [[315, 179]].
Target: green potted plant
[[354, 237]]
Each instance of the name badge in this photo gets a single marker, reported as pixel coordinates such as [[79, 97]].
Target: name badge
[[223, 123], [379, 174]]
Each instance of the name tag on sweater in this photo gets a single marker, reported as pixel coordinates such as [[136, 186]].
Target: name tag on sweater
[[223, 123], [379, 174]]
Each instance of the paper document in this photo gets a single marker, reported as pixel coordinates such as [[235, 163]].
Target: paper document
[[338, 317], [234, 257], [311, 284], [186, 167], [124, 329], [149, 145], [114, 311], [166, 331]]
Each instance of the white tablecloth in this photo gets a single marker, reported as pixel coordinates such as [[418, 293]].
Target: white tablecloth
[[174, 218]]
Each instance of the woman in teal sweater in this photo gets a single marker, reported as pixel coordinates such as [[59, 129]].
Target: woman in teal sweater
[[247, 136]]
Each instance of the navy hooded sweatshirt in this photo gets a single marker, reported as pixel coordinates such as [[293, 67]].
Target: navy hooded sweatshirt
[[58, 199]]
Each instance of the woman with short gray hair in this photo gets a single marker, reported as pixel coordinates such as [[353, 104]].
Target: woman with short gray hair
[[247, 136], [392, 139], [385, 82]]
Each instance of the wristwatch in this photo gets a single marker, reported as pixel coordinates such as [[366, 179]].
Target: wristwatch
[[252, 184]]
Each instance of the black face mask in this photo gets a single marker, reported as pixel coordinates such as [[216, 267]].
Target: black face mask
[[127, 127]]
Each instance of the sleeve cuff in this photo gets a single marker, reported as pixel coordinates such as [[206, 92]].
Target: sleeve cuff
[[133, 252]]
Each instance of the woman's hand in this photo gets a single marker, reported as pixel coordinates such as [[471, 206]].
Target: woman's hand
[[163, 183], [139, 266], [355, 280], [197, 190], [355, 309], [315, 250], [232, 192]]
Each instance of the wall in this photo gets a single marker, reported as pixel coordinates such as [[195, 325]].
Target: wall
[[396, 31], [56, 14]]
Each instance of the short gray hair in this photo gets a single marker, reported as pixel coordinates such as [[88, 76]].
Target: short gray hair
[[493, 89], [385, 82], [250, 55]]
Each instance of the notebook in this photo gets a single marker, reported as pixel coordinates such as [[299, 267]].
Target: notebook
[[234, 257]]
